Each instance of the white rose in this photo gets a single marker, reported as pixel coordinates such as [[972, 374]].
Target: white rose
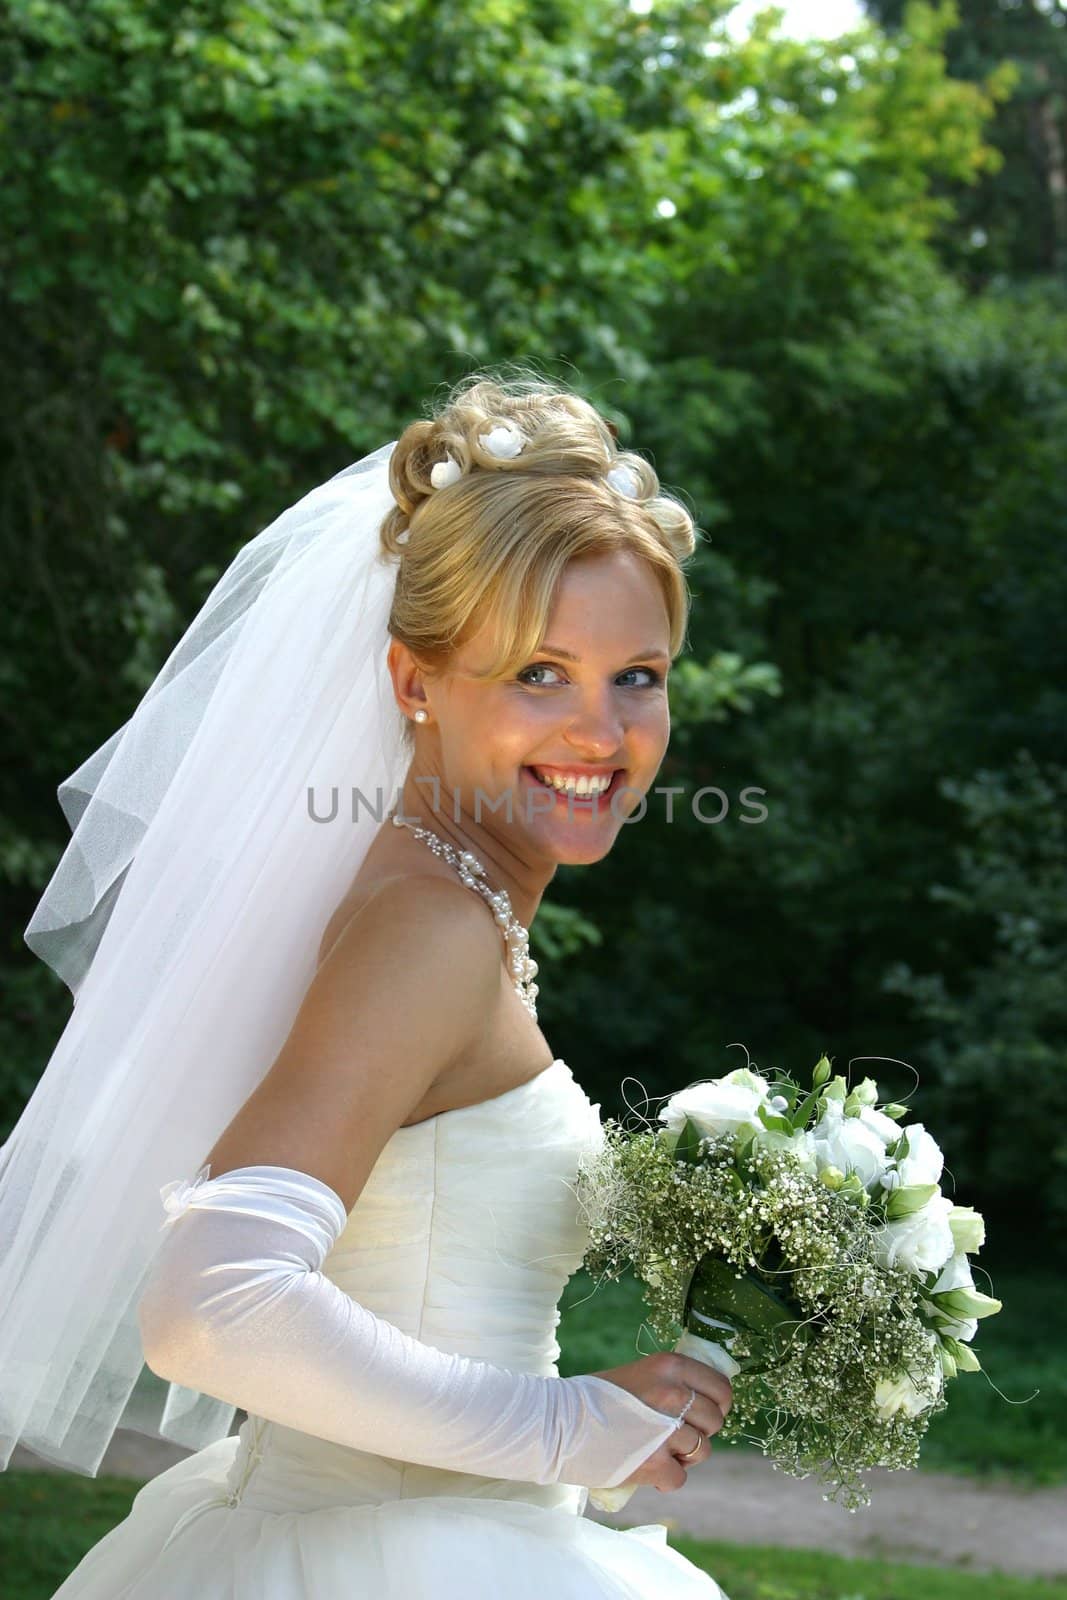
[[924, 1161], [879, 1123], [900, 1392], [956, 1274], [848, 1143], [718, 1105], [921, 1242]]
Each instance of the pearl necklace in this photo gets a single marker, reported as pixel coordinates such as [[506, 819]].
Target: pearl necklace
[[471, 871]]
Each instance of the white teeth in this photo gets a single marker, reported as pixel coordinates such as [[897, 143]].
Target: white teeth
[[576, 786]]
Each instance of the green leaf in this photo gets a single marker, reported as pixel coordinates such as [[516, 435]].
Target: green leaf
[[688, 1146], [715, 1290], [772, 1120], [744, 1138], [802, 1115]]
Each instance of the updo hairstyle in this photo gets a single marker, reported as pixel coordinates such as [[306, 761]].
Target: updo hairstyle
[[493, 544]]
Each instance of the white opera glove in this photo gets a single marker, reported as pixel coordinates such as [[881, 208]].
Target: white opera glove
[[236, 1306]]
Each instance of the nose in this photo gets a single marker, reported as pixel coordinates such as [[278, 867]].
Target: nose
[[596, 730]]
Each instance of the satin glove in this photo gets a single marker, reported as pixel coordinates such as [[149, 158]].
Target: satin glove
[[237, 1306]]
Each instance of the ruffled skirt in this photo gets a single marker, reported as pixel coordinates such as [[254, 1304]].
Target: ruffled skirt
[[185, 1538]]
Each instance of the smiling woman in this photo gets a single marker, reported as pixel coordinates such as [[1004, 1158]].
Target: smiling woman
[[540, 600], [545, 771], [329, 1046]]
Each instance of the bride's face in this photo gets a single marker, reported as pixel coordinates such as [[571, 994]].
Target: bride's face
[[591, 701]]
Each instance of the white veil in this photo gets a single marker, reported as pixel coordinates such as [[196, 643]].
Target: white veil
[[185, 916]]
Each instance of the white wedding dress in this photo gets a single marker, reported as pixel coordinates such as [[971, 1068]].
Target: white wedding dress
[[464, 1236]]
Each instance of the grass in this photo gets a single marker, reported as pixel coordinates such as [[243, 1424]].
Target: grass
[[758, 1572], [1018, 1435], [48, 1521]]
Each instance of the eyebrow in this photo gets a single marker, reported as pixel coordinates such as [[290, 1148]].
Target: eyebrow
[[654, 654]]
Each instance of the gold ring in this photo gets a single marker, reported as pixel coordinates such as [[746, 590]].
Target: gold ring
[[695, 1450]]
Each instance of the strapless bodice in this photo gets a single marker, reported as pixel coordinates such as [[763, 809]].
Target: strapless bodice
[[464, 1237]]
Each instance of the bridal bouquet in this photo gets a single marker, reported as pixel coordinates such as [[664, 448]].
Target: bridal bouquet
[[803, 1245]]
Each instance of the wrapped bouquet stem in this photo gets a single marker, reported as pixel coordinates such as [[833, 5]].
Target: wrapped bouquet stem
[[802, 1245]]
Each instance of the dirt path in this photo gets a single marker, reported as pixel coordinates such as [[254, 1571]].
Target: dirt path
[[738, 1496], [922, 1517]]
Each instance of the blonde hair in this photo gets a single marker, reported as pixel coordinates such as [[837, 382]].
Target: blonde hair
[[493, 544]]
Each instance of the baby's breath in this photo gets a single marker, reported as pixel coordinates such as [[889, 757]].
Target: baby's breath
[[806, 1391]]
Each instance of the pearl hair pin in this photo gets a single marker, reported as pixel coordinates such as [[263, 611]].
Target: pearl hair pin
[[505, 442], [623, 478], [442, 473]]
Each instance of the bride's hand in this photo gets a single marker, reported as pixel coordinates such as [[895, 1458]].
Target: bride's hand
[[663, 1380]]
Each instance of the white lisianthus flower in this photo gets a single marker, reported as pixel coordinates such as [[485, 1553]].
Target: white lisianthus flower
[[848, 1143], [921, 1242], [924, 1161], [879, 1123], [901, 1393], [956, 1274], [866, 1092], [968, 1228], [748, 1079], [719, 1105]]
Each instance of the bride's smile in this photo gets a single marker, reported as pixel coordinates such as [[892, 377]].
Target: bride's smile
[[544, 767]]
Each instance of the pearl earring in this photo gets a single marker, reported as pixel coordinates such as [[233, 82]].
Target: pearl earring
[[421, 716]]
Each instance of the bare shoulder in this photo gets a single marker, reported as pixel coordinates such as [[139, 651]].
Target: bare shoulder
[[419, 896], [403, 993]]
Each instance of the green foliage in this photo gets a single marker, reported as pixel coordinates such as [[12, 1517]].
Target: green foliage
[[998, 1033], [1013, 221], [907, 525], [240, 245]]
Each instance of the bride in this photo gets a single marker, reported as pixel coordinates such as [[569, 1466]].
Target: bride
[[369, 1258]]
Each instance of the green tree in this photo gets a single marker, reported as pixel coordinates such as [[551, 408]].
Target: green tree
[[998, 1038], [1014, 221]]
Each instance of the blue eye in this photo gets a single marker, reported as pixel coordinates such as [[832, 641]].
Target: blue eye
[[655, 678], [538, 666]]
